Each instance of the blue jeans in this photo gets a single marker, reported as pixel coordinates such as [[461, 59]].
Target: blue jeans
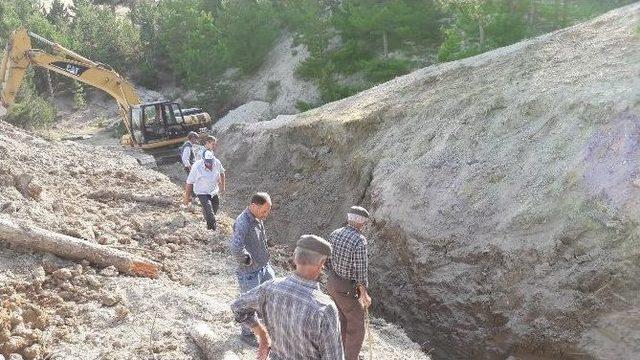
[[250, 280]]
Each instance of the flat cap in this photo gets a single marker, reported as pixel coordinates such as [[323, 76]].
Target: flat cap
[[360, 211], [314, 243]]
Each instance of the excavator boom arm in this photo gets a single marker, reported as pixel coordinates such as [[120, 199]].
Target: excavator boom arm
[[19, 55]]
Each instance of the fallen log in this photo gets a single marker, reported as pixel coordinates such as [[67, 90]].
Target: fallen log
[[210, 344], [69, 247], [117, 195]]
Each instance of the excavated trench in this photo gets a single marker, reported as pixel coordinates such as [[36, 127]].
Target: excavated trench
[[501, 186]]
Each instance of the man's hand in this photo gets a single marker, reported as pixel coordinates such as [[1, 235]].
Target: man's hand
[[264, 348], [264, 341], [364, 298], [248, 260]]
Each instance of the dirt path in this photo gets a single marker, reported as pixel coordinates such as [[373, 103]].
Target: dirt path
[[75, 311]]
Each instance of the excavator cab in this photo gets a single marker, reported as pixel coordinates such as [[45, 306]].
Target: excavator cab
[[162, 121]]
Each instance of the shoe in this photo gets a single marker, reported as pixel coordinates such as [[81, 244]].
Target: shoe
[[249, 340]]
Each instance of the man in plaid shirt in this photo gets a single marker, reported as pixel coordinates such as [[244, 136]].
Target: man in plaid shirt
[[348, 280], [302, 320]]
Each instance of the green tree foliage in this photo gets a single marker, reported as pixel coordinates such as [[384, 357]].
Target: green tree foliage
[[103, 36], [147, 18], [32, 111], [249, 29], [475, 26], [190, 40], [353, 44], [58, 14], [369, 32], [382, 25]]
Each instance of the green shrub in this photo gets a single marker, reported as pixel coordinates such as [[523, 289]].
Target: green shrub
[[331, 90], [379, 70], [190, 41], [31, 111], [303, 106], [250, 29], [103, 36], [79, 98]]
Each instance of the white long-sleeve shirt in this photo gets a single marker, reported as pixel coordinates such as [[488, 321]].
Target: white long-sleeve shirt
[[186, 154], [205, 182]]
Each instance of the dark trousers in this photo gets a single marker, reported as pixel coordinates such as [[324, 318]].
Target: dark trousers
[[350, 312], [210, 205]]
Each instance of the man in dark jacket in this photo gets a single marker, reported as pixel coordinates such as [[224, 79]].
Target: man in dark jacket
[[249, 248]]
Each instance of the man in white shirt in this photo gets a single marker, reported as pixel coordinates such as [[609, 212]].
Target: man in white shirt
[[209, 144], [207, 180], [188, 152]]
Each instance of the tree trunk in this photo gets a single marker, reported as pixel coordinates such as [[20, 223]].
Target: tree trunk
[[385, 44], [116, 195], [482, 40], [563, 12], [49, 85], [38, 239]]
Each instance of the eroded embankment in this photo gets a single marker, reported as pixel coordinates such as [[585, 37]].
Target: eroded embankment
[[501, 187]]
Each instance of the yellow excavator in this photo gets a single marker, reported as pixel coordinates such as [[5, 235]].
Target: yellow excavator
[[150, 126]]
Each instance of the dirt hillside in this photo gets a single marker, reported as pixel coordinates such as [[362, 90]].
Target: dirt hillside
[[65, 310], [502, 188]]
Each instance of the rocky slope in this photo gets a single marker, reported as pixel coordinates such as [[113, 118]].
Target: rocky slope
[[501, 187], [62, 310]]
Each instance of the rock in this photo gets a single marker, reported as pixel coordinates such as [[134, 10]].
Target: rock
[[38, 274], [250, 112], [2, 357], [34, 189], [9, 207], [173, 247], [179, 221], [22, 330], [108, 299], [109, 271], [298, 176], [15, 357], [6, 180], [76, 270], [66, 286], [32, 352], [93, 281], [230, 355], [106, 239], [15, 344], [16, 318]]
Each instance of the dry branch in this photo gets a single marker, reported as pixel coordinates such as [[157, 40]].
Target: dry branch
[[117, 195], [69, 247]]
